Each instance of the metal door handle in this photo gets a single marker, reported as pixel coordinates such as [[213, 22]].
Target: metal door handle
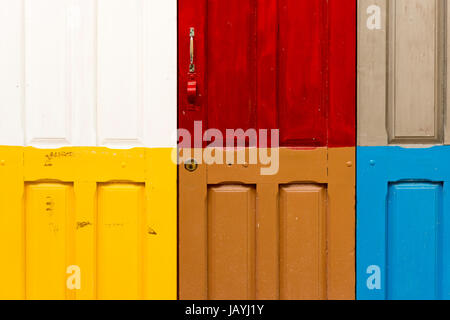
[[192, 82], [191, 56]]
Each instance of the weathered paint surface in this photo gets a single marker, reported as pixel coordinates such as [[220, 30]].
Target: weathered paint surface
[[243, 235], [273, 64], [402, 225], [112, 213]]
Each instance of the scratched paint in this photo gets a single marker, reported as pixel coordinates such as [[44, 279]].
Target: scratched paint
[[403, 235]]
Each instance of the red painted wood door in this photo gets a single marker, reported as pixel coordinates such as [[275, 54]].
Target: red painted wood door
[[270, 64]]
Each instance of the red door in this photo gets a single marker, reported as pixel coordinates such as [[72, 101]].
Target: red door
[[270, 64]]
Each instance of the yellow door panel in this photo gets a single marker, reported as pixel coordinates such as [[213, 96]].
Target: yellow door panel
[[120, 252], [49, 225], [88, 223]]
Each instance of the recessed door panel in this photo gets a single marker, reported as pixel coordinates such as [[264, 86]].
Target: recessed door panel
[[413, 251], [120, 249], [303, 258], [49, 237], [231, 242]]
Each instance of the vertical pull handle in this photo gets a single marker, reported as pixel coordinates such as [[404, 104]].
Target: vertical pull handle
[[192, 82], [191, 49]]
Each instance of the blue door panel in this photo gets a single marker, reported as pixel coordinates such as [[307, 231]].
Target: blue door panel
[[412, 240], [402, 228]]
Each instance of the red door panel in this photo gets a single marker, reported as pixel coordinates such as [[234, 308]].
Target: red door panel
[[302, 42], [270, 64], [231, 64]]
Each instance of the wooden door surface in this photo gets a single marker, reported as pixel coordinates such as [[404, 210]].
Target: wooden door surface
[[402, 153], [270, 64]]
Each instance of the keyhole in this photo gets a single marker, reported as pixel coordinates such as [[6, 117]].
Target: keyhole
[[191, 165]]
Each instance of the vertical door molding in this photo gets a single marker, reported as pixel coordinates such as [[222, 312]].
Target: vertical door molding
[[447, 76], [372, 73]]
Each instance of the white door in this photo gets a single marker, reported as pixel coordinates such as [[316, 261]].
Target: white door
[[88, 73]]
